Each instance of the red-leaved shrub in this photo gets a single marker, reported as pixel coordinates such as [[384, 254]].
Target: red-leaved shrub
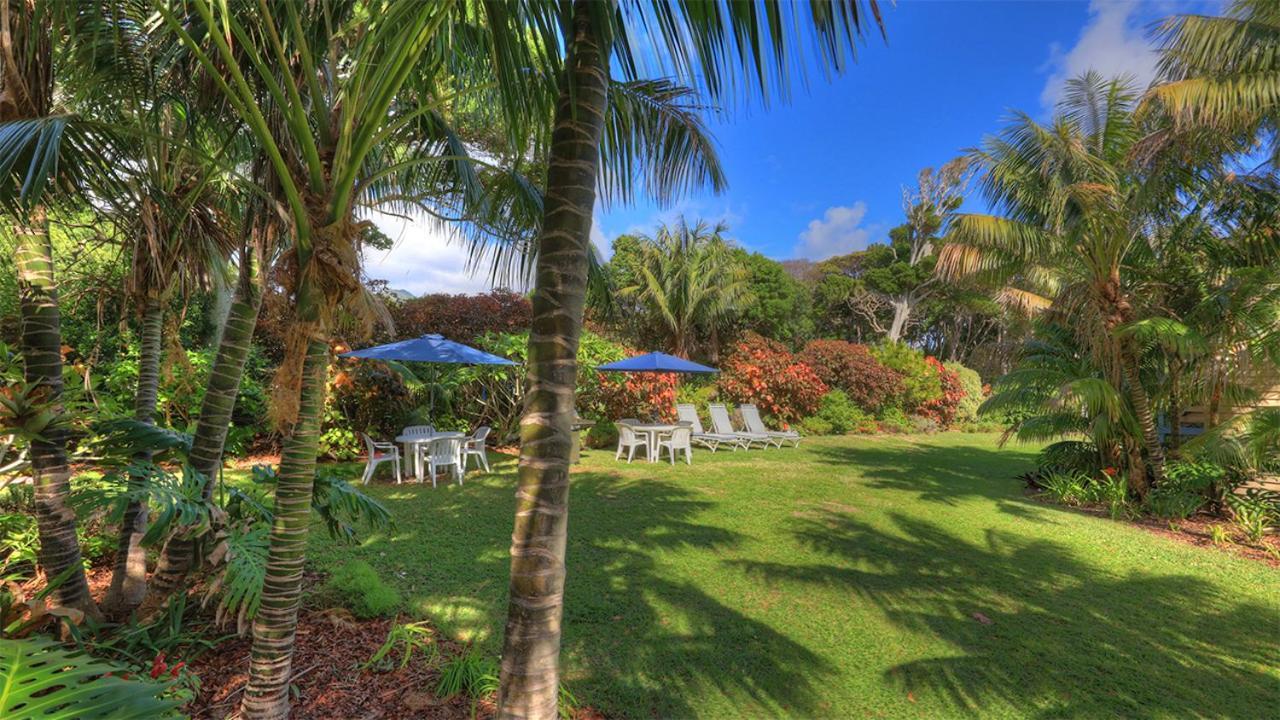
[[639, 395], [943, 409], [462, 318], [852, 368], [764, 372]]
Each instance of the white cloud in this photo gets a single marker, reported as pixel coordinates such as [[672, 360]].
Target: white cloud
[[840, 231], [427, 258], [1113, 42]]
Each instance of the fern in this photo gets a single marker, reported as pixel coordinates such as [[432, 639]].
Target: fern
[[238, 586]]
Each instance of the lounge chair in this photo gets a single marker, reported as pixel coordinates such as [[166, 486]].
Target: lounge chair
[[721, 423], [751, 418], [689, 414]]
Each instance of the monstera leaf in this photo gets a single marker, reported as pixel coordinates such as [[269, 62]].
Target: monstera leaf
[[42, 680]]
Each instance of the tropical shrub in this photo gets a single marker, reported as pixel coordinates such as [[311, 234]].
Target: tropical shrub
[[843, 415], [943, 409], [601, 435], [974, 393], [368, 396], [470, 674], [641, 395], [1253, 513], [1173, 503], [853, 369], [461, 318], [697, 392], [357, 586], [1067, 487], [921, 383], [1112, 491], [40, 672], [893, 420], [814, 425], [764, 372]]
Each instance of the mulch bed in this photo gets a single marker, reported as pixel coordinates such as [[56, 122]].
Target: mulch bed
[[1194, 530], [326, 674]]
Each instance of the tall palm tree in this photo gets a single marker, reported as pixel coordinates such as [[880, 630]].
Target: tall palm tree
[[690, 279], [725, 49], [1223, 72], [42, 152], [1070, 199]]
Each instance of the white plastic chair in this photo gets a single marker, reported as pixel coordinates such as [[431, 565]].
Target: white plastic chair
[[712, 441], [380, 452], [678, 439], [474, 447], [724, 426], [751, 417], [413, 450], [444, 453], [629, 440]]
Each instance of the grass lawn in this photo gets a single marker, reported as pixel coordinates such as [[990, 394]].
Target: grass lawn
[[853, 577]]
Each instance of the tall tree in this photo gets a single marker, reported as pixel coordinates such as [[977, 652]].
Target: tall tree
[[36, 139], [1072, 204], [738, 47]]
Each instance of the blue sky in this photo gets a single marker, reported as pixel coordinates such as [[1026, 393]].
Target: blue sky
[[823, 174]]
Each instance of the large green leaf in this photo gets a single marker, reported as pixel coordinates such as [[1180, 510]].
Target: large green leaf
[[42, 680]]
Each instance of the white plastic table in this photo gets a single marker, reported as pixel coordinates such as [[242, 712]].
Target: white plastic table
[[653, 430], [411, 443]]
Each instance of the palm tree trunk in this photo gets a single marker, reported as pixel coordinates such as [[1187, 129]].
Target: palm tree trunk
[[1175, 408], [267, 694], [129, 578], [531, 645], [1146, 421], [42, 355], [178, 555]]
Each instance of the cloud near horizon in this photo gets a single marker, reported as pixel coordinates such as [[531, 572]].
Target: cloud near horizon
[[839, 232], [1113, 42]]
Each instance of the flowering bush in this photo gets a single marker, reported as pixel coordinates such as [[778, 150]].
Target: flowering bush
[[943, 408], [920, 382], [462, 318], [639, 395], [853, 369], [974, 392], [764, 372]]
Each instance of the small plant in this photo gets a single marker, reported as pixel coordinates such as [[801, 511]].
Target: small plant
[[1113, 492], [838, 411], [409, 638], [1252, 515], [1173, 503], [1067, 488], [470, 674], [358, 586], [1219, 534], [893, 420]]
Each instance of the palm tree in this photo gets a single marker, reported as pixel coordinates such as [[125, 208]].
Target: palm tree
[[1223, 72], [38, 152], [724, 49], [691, 281], [1071, 200]]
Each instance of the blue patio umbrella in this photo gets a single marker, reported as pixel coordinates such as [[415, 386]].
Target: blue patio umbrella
[[434, 349], [429, 349], [656, 362]]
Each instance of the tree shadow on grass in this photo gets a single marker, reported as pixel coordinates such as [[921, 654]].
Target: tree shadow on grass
[[637, 642], [1038, 630], [936, 473]]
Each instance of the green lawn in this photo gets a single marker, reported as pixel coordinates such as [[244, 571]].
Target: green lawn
[[853, 577]]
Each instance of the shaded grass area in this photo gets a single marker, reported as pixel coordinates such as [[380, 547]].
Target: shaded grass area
[[884, 577]]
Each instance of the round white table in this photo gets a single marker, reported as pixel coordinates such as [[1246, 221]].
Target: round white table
[[653, 430], [411, 443]]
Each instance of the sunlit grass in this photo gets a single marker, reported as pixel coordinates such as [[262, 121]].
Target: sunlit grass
[[882, 577]]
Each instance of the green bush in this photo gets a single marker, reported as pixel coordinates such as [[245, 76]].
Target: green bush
[[921, 383], [893, 420], [357, 586], [971, 382], [698, 393], [838, 411], [1067, 488], [814, 425], [603, 434], [1173, 503]]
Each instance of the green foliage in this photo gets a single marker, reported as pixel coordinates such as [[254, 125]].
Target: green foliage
[[1067, 487], [1173, 503], [601, 435], [852, 368], [409, 638], [342, 506], [40, 679], [1219, 534], [779, 306], [340, 443], [814, 425], [920, 383], [894, 420], [1252, 514], [1075, 455], [1113, 492], [356, 585], [470, 674], [237, 585], [971, 383], [839, 412]]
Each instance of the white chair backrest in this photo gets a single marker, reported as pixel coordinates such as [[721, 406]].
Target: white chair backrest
[[681, 436], [445, 450], [368, 444], [689, 414], [6, 441], [751, 417], [480, 434], [629, 421], [720, 419], [419, 430], [626, 435]]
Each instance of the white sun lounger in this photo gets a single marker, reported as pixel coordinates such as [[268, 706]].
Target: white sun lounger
[[721, 423], [751, 417], [689, 414]]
